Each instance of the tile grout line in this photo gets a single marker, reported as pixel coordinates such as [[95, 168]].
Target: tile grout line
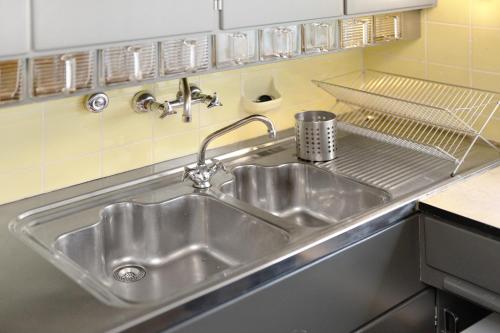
[[125, 145], [426, 43], [101, 145], [21, 169], [470, 49], [469, 24], [43, 148], [463, 68], [151, 149], [74, 158]]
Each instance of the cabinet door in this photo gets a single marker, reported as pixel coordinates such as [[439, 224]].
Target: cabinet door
[[14, 27], [415, 315], [73, 23], [244, 13], [354, 7], [463, 252], [337, 294]]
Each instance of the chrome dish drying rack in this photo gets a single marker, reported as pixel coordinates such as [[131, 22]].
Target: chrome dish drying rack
[[434, 118]]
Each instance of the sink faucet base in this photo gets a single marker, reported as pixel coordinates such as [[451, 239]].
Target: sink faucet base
[[201, 174]]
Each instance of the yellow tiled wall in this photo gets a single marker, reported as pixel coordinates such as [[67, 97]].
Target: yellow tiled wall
[[49, 145], [460, 45]]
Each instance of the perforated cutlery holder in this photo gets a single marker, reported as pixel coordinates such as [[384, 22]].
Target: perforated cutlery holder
[[315, 135]]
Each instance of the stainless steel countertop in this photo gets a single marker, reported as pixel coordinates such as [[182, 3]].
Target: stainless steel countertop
[[37, 297]]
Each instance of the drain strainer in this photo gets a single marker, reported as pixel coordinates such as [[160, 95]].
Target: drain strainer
[[129, 273]]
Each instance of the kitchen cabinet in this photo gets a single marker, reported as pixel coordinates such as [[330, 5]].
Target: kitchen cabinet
[[456, 312], [14, 27], [338, 293], [461, 258], [415, 315], [63, 24], [244, 13], [72, 23], [355, 7]]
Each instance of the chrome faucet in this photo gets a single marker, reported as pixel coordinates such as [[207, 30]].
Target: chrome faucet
[[201, 174], [183, 99], [211, 101], [187, 95]]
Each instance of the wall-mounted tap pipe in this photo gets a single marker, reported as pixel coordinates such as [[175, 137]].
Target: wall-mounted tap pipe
[[185, 88], [187, 95]]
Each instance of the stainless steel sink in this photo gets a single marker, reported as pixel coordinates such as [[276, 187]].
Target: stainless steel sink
[[303, 194], [160, 242], [154, 253]]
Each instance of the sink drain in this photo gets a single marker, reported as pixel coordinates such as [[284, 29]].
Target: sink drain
[[129, 273]]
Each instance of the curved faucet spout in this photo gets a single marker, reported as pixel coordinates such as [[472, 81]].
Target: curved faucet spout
[[271, 130], [201, 173]]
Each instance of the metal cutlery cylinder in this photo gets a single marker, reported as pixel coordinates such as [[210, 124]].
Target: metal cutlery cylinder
[[315, 135]]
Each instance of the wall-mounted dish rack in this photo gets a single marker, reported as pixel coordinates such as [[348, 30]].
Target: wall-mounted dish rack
[[435, 118]]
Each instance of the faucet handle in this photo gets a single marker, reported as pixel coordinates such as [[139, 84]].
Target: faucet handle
[[201, 173], [167, 110], [216, 166], [214, 101], [189, 173], [145, 101]]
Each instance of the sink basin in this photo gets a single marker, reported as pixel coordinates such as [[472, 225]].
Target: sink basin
[[303, 194], [151, 253]]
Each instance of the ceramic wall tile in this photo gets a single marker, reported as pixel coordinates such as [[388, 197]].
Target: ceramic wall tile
[[486, 49], [448, 45], [20, 184], [70, 130], [59, 143], [21, 137], [125, 158], [73, 171]]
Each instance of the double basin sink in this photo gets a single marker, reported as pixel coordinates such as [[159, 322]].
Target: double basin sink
[[138, 253]]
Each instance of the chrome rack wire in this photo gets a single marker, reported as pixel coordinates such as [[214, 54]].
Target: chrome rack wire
[[435, 118]]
